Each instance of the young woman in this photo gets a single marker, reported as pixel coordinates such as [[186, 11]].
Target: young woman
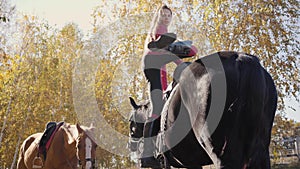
[[158, 53]]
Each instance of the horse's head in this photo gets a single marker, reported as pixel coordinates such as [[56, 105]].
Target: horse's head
[[137, 120], [86, 147]]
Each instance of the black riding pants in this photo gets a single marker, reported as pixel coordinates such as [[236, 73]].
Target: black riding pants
[[152, 66]]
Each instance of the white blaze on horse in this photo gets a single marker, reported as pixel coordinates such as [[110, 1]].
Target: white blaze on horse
[[72, 146]]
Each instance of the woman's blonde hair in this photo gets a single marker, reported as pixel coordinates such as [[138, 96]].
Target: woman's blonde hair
[[156, 18], [154, 23]]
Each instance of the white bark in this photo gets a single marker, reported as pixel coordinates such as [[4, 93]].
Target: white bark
[[5, 120]]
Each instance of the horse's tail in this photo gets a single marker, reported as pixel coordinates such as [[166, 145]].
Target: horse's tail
[[256, 122]]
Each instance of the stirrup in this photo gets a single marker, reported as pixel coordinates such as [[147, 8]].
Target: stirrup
[[37, 162]]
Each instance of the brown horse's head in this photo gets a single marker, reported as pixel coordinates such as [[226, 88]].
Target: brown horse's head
[[86, 147]]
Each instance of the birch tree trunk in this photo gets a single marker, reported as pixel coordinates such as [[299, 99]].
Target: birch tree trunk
[[5, 120], [13, 164]]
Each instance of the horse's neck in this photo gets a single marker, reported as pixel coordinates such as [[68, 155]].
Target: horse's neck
[[61, 151]]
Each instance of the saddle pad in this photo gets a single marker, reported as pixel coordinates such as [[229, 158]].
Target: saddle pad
[[52, 135], [47, 136]]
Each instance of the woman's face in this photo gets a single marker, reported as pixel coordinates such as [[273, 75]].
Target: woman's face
[[165, 17]]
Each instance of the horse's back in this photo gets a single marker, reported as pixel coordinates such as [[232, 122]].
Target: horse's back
[[28, 151]]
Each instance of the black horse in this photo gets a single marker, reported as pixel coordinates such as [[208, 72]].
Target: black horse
[[221, 112]]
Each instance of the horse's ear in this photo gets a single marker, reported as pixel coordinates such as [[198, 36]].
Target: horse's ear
[[92, 127], [132, 102], [79, 129]]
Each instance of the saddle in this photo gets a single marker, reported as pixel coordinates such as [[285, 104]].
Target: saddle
[[47, 137]]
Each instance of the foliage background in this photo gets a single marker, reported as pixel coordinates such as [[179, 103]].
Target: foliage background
[[38, 62]]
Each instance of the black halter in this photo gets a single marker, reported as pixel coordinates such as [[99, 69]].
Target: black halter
[[134, 142], [87, 160]]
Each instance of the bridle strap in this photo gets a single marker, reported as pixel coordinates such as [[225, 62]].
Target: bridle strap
[[87, 159]]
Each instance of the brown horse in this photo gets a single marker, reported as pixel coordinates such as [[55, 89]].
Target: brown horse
[[73, 146]]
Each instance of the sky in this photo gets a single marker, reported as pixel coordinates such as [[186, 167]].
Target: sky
[[293, 109], [60, 12]]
